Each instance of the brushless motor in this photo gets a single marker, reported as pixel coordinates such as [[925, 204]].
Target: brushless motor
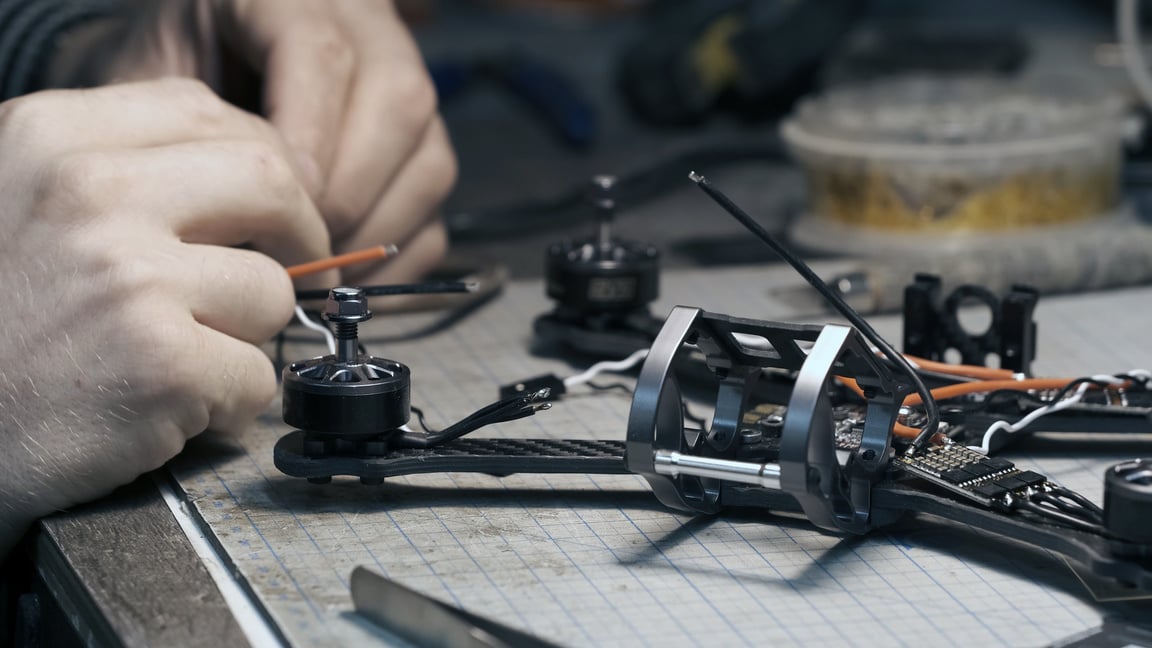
[[602, 287], [1128, 500], [367, 397], [604, 274], [617, 277], [349, 394]]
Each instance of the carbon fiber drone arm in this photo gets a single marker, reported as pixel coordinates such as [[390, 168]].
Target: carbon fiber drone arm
[[687, 467]]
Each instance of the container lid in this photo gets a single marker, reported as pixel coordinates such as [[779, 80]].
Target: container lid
[[957, 117]]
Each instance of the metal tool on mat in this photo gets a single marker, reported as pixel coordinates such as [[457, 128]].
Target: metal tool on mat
[[427, 622]]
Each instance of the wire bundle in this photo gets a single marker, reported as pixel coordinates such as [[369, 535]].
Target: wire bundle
[[508, 409], [1070, 394], [1065, 507]]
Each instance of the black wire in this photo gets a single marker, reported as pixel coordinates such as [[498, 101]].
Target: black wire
[[1079, 499], [508, 409], [1056, 516], [425, 288], [1072, 386], [1070, 508], [278, 361], [1140, 380], [990, 398], [1063, 393], [931, 411], [433, 435], [420, 419]]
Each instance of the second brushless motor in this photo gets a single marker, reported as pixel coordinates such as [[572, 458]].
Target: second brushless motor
[[603, 274], [602, 286], [591, 277]]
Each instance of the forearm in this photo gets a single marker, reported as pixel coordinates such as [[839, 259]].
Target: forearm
[[38, 36]]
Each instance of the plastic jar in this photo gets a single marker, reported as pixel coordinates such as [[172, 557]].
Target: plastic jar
[[964, 154]]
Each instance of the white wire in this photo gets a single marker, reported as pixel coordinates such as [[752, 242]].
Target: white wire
[[1128, 33], [1071, 400], [601, 367], [1141, 373], [315, 326], [1050, 408]]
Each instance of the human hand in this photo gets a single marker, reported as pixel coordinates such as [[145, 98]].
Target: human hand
[[130, 321], [344, 84]]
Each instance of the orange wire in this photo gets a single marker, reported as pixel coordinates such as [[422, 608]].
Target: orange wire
[[969, 371], [341, 260], [961, 389], [980, 386], [899, 429], [966, 371]]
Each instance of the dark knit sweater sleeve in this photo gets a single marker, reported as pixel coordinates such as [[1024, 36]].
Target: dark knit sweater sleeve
[[28, 31]]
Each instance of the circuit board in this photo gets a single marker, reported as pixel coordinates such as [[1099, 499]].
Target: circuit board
[[847, 422], [991, 481]]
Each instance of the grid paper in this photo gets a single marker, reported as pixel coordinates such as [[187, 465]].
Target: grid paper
[[597, 560]]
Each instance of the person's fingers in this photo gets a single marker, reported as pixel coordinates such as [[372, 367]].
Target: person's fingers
[[249, 195], [346, 85], [238, 381], [241, 293], [309, 70], [220, 192], [420, 255], [391, 105], [407, 206], [183, 376]]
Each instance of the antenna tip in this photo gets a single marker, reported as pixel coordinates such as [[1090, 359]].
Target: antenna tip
[[695, 177]]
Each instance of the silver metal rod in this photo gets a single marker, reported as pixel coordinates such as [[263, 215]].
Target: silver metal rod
[[673, 463]]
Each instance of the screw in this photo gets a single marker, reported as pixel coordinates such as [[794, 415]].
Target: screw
[[344, 310]]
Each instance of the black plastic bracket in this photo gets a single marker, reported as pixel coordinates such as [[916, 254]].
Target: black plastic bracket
[[932, 326]]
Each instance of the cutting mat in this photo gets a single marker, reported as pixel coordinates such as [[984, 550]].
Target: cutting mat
[[596, 560]]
